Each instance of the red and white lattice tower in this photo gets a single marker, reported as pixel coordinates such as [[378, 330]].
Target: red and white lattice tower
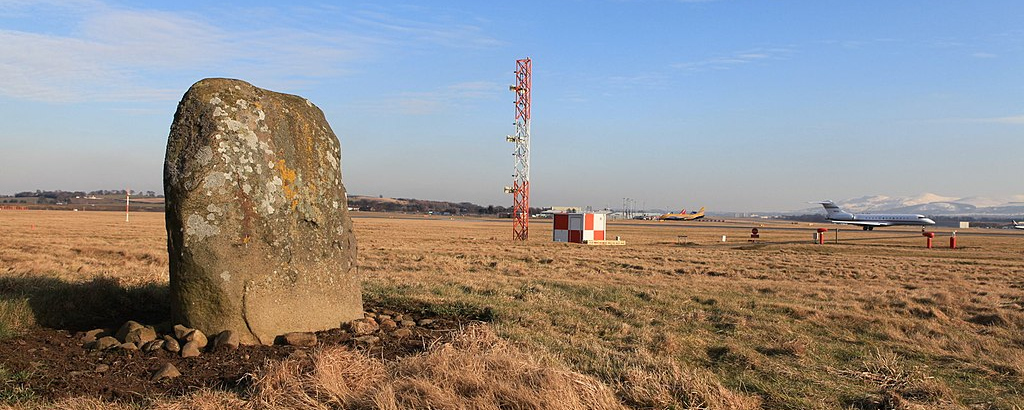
[[520, 188]]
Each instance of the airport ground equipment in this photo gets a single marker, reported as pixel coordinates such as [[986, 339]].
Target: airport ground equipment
[[929, 235], [605, 242], [520, 188]]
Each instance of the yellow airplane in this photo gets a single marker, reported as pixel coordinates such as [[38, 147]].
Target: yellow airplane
[[683, 216]]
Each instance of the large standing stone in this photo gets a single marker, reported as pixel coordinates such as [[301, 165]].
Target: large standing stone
[[258, 232]]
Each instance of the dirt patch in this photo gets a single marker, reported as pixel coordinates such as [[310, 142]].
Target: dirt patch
[[52, 364]]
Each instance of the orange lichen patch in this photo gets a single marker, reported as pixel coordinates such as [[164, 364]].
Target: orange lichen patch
[[306, 131], [288, 177]]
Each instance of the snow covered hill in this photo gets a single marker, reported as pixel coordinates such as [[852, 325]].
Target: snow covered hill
[[930, 204]]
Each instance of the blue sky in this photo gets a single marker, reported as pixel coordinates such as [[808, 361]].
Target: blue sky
[[734, 105]]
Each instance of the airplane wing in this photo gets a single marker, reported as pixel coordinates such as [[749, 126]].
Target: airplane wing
[[862, 223]]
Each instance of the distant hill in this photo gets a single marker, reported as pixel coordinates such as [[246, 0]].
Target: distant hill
[[930, 204]]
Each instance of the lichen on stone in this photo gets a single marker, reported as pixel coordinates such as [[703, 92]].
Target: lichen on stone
[[204, 155], [214, 180], [198, 228]]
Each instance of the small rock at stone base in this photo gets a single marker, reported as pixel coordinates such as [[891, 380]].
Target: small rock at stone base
[[388, 325], [363, 326], [106, 342], [167, 371], [190, 349], [227, 339], [367, 339], [302, 339], [402, 333], [197, 336], [382, 317], [171, 344], [408, 323], [426, 322], [180, 331], [153, 345], [140, 335], [129, 346], [398, 318], [126, 328], [92, 335]]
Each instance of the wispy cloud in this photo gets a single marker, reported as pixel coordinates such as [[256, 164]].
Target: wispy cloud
[[1014, 119], [454, 95], [670, 1], [643, 80], [444, 33], [736, 59], [111, 53], [121, 55]]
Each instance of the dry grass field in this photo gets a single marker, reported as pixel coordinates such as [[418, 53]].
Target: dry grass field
[[874, 322]]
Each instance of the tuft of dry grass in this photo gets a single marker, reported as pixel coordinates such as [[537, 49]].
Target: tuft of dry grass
[[477, 370], [668, 386], [15, 316], [336, 378], [898, 386], [200, 400]]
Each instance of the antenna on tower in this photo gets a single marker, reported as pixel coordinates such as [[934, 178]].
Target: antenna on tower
[[520, 188]]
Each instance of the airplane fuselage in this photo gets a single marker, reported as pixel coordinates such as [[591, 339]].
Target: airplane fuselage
[[869, 221], [683, 216], [680, 217]]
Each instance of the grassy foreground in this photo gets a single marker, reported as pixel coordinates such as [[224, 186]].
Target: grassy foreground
[[875, 321]]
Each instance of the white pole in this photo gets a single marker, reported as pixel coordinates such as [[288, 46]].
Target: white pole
[[127, 203]]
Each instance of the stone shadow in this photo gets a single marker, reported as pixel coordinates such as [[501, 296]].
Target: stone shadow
[[98, 303]]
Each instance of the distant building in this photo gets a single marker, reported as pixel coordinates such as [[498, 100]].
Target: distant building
[[563, 210]]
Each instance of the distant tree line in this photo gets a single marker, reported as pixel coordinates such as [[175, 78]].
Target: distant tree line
[[64, 196], [424, 206], [804, 218]]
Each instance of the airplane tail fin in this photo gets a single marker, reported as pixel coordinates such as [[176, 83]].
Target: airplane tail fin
[[831, 208], [701, 210]]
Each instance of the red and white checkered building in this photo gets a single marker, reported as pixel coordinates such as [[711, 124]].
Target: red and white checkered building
[[579, 227]]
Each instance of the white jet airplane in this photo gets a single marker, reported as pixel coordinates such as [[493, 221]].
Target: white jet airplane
[[870, 221], [1017, 225]]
